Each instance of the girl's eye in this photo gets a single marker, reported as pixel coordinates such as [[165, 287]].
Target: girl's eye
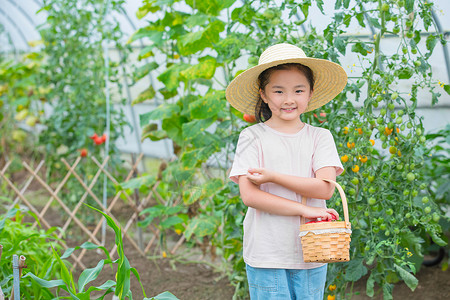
[[278, 92], [299, 91]]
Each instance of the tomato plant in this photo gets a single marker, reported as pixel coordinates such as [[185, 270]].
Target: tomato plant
[[74, 69]]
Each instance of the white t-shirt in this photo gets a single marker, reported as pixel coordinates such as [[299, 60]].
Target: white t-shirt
[[272, 241]]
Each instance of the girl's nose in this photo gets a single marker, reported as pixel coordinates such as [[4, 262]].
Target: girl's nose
[[289, 99]]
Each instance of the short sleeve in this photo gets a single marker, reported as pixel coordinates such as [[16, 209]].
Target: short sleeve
[[246, 156], [325, 153]]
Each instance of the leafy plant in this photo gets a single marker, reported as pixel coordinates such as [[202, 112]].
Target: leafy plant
[[374, 122], [21, 105], [80, 290], [18, 236]]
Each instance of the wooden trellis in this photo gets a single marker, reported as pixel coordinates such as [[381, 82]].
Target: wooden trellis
[[137, 205]]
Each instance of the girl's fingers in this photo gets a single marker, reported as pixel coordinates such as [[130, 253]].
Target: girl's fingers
[[333, 212], [255, 170]]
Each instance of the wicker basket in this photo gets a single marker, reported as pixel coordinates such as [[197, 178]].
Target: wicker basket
[[326, 241]]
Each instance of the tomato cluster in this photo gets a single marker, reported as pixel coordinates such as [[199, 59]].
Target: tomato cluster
[[98, 140]]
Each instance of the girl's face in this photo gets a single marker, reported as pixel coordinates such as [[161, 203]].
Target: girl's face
[[287, 95]]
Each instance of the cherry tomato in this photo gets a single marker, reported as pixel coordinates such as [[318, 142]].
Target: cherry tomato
[[249, 118]]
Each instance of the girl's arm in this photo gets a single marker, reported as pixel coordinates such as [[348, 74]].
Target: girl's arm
[[308, 187], [253, 197]]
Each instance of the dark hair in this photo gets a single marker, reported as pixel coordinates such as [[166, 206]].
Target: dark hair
[[262, 110]]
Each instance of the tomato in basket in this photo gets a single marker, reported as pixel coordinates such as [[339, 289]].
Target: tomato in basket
[[333, 218]]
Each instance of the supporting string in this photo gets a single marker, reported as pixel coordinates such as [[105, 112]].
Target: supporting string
[[108, 122]]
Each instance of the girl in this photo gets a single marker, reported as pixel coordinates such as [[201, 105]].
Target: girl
[[278, 161]]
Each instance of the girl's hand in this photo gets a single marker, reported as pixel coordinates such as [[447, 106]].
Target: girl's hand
[[317, 212], [259, 176]]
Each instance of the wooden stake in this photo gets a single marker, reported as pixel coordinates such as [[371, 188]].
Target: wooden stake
[[2, 296]]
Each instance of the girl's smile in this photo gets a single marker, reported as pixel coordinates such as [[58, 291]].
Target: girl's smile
[[287, 94]]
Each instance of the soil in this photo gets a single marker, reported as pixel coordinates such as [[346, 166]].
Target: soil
[[199, 281]]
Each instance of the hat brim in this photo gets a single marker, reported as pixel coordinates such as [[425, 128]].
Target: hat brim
[[329, 80]]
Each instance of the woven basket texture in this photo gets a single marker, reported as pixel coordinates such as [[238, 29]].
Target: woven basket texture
[[326, 248]]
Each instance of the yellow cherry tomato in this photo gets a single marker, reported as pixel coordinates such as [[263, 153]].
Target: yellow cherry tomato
[[344, 158], [388, 131], [331, 297], [359, 130], [345, 130], [350, 145], [355, 168], [363, 159], [372, 142], [392, 150], [332, 287]]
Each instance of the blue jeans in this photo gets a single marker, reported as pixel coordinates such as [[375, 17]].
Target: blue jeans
[[286, 284]]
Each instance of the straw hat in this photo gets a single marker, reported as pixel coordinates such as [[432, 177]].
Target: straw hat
[[329, 78]]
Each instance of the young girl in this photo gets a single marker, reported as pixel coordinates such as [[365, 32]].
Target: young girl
[[278, 161]]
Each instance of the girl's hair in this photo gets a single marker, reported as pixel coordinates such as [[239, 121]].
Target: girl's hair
[[262, 110]]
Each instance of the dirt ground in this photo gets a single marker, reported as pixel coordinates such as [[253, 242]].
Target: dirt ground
[[197, 281]]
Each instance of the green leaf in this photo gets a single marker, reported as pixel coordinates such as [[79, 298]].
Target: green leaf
[[361, 48], [47, 283], [407, 277], [144, 70], [163, 296], [374, 22], [196, 127], [201, 226], [447, 88], [360, 18], [387, 291], [171, 76], [89, 275], [208, 106], [170, 222], [210, 7], [198, 40], [409, 5], [370, 285], [431, 42], [196, 20], [108, 286], [148, 6], [66, 275], [138, 182], [191, 195], [146, 52], [211, 187], [154, 135], [340, 45], [355, 270], [147, 94], [204, 69], [173, 126], [437, 239], [305, 8], [161, 112], [155, 36], [404, 73]]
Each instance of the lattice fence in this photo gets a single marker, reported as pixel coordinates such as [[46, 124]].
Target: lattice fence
[[71, 214]]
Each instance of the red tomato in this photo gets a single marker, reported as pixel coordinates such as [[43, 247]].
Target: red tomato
[[322, 118], [98, 140], [83, 152], [94, 136], [104, 137], [249, 118]]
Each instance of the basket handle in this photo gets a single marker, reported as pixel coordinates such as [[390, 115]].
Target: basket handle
[[344, 203]]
